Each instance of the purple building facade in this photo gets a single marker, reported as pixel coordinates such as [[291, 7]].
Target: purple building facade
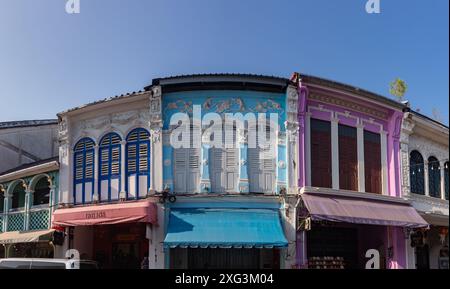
[[349, 179]]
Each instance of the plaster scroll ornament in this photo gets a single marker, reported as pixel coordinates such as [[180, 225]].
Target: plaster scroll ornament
[[62, 129], [156, 92], [156, 135], [124, 118]]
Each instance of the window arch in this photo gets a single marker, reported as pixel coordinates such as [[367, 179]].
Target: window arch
[[446, 179], [41, 195], [434, 177], [84, 155], [18, 196], [109, 167], [138, 163], [416, 173]]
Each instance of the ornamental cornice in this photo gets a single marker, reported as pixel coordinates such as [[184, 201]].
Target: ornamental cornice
[[348, 104]]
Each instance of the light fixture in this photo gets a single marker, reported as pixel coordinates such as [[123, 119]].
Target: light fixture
[[95, 198], [122, 195]]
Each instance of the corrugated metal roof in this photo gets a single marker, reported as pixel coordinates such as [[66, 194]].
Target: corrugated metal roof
[[29, 165], [117, 97], [26, 123]]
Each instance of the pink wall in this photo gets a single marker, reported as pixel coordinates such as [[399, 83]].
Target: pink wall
[[393, 237]]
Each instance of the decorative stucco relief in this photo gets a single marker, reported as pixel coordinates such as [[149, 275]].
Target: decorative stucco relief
[[118, 122], [348, 104]]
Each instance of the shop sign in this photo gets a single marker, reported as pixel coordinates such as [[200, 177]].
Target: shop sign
[[95, 215]]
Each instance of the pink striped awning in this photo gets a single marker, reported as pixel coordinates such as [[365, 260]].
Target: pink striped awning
[[132, 212], [362, 211]]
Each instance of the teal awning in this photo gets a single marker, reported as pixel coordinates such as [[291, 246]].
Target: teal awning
[[224, 228]]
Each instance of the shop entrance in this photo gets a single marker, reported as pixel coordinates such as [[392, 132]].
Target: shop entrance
[[332, 248], [30, 250], [209, 258], [343, 246], [120, 246]]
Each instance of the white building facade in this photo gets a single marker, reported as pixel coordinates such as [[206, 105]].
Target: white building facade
[[425, 182]]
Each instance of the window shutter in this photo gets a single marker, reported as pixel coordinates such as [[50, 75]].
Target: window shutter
[[89, 174], [180, 169], [348, 158], [372, 162], [262, 166], [320, 153], [131, 157], [143, 157], [115, 161], [194, 170]]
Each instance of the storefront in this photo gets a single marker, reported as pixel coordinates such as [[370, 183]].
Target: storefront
[[29, 244], [431, 246], [116, 236], [336, 231], [224, 237]]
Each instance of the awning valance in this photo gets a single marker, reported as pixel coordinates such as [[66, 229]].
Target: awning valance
[[143, 211], [26, 237], [224, 228], [362, 211]]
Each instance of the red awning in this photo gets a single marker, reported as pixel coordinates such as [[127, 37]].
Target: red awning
[[143, 211], [362, 211]]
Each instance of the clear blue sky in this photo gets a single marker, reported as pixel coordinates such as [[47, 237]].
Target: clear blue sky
[[51, 61]]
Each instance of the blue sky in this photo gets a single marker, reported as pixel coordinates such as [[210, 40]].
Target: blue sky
[[51, 61]]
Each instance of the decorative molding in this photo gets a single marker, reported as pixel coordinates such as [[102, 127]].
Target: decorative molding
[[348, 104]]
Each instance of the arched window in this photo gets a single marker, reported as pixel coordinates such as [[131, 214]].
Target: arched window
[[41, 195], [416, 173], [434, 177], [18, 197], [109, 167], [138, 163], [84, 155], [446, 179]]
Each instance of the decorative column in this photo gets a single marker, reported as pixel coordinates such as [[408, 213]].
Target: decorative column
[[65, 162], [152, 139], [123, 159], [205, 180], [96, 175], [303, 133], [360, 152], [308, 148], [292, 140], [156, 141], [426, 179], [442, 170], [28, 205], [6, 205], [384, 163], [244, 186], [394, 132], [335, 152], [407, 130]]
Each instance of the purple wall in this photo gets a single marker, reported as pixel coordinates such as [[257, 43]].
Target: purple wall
[[393, 237]]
